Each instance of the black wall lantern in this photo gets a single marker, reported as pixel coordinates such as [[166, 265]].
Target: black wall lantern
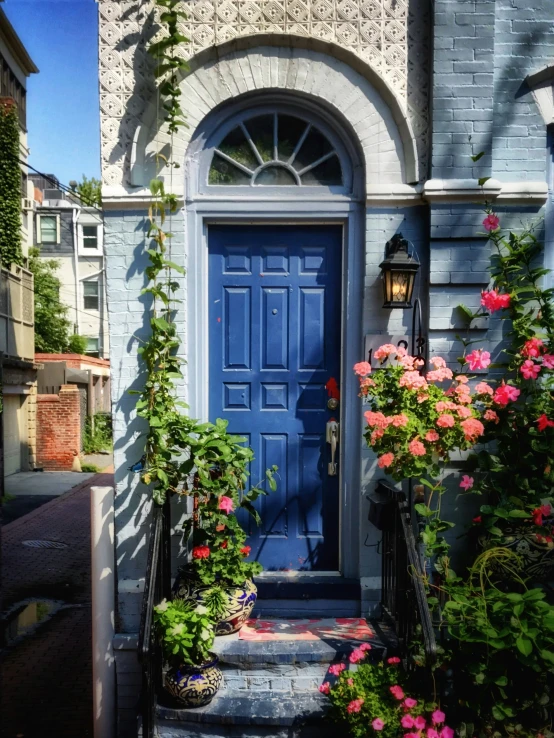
[[398, 272]]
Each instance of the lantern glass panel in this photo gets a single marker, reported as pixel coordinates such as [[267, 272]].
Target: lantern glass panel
[[400, 284]]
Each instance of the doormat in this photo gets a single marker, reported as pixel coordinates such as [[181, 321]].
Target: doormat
[[318, 629]]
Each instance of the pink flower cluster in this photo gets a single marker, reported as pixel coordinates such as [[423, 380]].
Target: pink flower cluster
[[478, 359], [493, 301], [505, 394], [532, 349]]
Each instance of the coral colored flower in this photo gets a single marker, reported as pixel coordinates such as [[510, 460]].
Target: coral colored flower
[[491, 222], [533, 348], [350, 682], [356, 655], [355, 706], [493, 301], [463, 412], [385, 460], [362, 368], [400, 421], [407, 362], [385, 350], [401, 352], [224, 544], [245, 550], [336, 669], [461, 378], [467, 482], [439, 375], [432, 436], [393, 660], [413, 380], [410, 703], [530, 370], [325, 688], [438, 717], [477, 520], [543, 422], [375, 420], [484, 389], [407, 721], [422, 396], [445, 421], [505, 394], [365, 647], [478, 359], [377, 724], [491, 415], [419, 722], [200, 552], [376, 435], [220, 527], [416, 448], [397, 692], [437, 362], [548, 361], [442, 406], [226, 504], [472, 429], [446, 732]]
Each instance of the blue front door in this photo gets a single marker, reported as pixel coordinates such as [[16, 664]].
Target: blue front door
[[275, 315]]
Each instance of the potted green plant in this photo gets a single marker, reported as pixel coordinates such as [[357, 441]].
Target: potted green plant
[[220, 575], [187, 634]]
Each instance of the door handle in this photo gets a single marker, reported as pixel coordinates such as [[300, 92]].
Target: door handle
[[332, 437]]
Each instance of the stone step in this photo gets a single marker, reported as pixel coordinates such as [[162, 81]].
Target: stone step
[[304, 595], [234, 714]]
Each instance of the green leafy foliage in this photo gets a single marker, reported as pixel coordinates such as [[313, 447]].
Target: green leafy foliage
[[98, 433], [187, 632], [77, 344], [10, 186], [89, 191], [52, 325]]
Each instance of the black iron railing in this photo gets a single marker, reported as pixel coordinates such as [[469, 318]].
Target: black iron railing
[[157, 586], [404, 599]]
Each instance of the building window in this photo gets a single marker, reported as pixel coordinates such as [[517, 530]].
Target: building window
[[90, 293], [93, 347], [90, 237], [48, 229], [275, 150]]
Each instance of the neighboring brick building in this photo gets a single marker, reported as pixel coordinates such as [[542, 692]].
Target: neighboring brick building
[[59, 434], [399, 95]]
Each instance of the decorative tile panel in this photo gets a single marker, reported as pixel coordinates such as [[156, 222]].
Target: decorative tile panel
[[390, 35]]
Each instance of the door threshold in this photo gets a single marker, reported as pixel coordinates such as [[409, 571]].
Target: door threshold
[[297, 574]]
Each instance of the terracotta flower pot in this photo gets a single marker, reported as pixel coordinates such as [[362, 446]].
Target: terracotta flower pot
[[194, 686], [240, 602]]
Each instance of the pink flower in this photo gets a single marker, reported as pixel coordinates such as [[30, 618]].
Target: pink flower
[[548, 361], [463, 412], [400, 421], [397, 692], [407, 721], [375, 420], [447, 732], [491, 222], [401, 352], [365, 647], [226, 504], [385, 350], [385, 460], [432, 733], [472, 429], [377, 724], [376, 435], [491, 415], [441, 406], [484, 389], [492, 301], [529, 369], [336, 669], [533, 348], [438, 717], [410, 703], [439, 375], [445, 421], [437, 362], [355, 706], [362, 368], [419, 722], [467, 482], [477, 520], [416, 448], [413, 380], [325, 688], [478, 359], [393, 660], [350, 682], [200, 552], [505, 394], [432, 436], [407, 361], [543, 422], [356, 655]]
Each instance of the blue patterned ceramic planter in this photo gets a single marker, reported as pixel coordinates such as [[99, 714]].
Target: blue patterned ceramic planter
[[240, 603], [194, 686]]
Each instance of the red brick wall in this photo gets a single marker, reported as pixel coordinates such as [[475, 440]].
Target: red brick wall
[[58, 429]]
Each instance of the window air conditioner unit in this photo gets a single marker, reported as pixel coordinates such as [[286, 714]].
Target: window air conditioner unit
[[27, 203]]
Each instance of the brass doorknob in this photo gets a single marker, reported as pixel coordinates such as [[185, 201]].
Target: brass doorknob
[[332, 403]]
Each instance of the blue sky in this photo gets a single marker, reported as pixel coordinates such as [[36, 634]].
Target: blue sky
[[62, 100]]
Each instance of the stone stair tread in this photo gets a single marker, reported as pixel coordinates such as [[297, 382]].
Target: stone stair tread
[[257, 707]]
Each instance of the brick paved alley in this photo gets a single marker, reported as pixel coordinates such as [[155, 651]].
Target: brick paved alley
[[46, 675]]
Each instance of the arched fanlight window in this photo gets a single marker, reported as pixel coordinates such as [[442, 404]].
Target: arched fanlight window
[[276, 150]]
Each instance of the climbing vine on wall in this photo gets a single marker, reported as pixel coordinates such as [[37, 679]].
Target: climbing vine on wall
[[10, 185]]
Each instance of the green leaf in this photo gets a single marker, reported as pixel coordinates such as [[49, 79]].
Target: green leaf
[[478, 156], [547, 655], [482, 180], [423, 510], [524, 645]]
